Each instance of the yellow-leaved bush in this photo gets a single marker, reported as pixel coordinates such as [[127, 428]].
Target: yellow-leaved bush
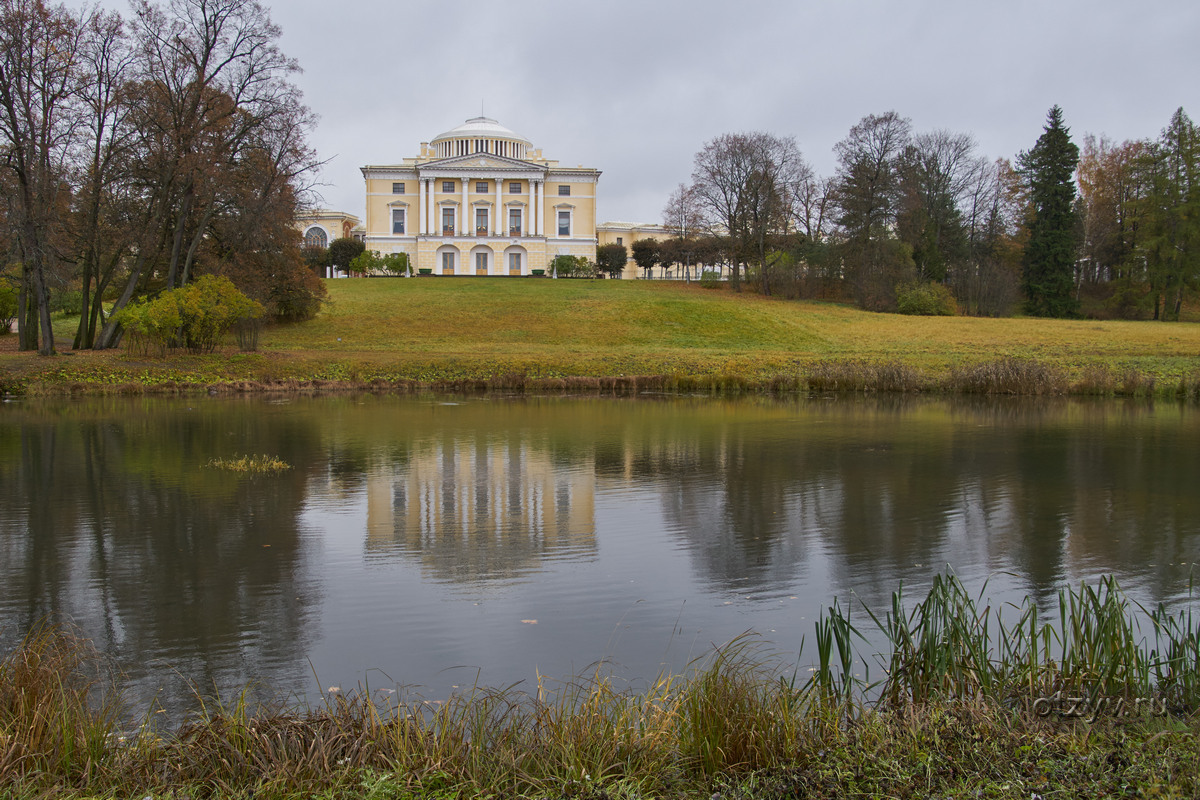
[[195, 317]]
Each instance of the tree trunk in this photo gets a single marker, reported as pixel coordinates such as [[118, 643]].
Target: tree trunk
[[177, 245], [27, 319], [43, 303], [191, 253]]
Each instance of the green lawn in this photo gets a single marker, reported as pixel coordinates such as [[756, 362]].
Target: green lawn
[[435, 330]]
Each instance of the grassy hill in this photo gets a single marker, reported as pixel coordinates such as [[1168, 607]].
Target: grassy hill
[[507, 332]]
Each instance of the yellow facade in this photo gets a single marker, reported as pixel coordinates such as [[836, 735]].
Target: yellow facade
[[480, 200], [320, 227], [626, 233]]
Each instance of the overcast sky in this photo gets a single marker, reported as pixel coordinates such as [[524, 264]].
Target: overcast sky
[[634, 89]]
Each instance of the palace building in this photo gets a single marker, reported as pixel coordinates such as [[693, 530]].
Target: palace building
[[481, 200]]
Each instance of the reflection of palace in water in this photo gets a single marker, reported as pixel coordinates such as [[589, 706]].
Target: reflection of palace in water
[[472, 509]]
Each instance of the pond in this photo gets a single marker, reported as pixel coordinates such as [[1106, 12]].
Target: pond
[[440, 542]]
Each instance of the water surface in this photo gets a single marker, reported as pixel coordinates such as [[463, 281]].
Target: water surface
[[442, 541]]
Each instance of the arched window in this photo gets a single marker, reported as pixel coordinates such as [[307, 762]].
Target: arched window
[[316, 237]]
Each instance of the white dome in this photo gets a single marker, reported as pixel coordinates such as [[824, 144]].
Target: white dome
[[481, 126], [480, 135]]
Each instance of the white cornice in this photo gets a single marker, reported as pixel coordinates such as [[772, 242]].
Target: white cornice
[[389, 173], [573, 176]]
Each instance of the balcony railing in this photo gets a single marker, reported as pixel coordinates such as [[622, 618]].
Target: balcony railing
[[447, 231]]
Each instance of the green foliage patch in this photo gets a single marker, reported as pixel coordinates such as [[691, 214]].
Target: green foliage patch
[[195, 317], [926, 299]]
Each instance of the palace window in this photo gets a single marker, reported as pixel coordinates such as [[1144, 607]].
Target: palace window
[[448, 187], [564, 223], [619, 240], [514, 187], [481, 187], [447, 263], [514, 262], [397, 220], [316, 237], [514, 222], [481, 222], [564, 190], [481, 262], [447, 222], [397, 188]]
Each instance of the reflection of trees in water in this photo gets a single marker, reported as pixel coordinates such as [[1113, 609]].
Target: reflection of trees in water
[[482, 506], [116, 525], [897, 490], [725, 498]]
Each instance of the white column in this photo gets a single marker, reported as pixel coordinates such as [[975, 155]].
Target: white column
[[541, 210], [497, 222], [420, 206], [431, 218], [527, 212], [463, 220]]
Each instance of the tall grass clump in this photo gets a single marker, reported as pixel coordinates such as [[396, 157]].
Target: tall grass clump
[[58, 711], [863, 376], [1100, 648], [1008, 376]]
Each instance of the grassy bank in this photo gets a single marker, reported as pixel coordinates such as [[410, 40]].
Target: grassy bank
[[634, 335], [1098, 700]]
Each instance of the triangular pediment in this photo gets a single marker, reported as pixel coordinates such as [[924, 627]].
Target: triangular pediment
[[478, 161]]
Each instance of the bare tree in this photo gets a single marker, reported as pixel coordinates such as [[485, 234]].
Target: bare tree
[[986, 283], [683, 218], [745, 184], [813, 203], [103, 237], [39, 49]]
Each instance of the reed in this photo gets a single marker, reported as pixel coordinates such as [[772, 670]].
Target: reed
[[952, 646]]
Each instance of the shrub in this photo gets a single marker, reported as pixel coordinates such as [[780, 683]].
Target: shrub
[[925, 299], [196, 316], [711, 279], [368, 262], [573, 267], [9, 300]]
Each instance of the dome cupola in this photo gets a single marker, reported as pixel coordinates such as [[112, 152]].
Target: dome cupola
[[480, 135]]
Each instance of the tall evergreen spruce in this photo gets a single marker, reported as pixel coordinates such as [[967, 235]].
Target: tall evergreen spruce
[[1048, 266]]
